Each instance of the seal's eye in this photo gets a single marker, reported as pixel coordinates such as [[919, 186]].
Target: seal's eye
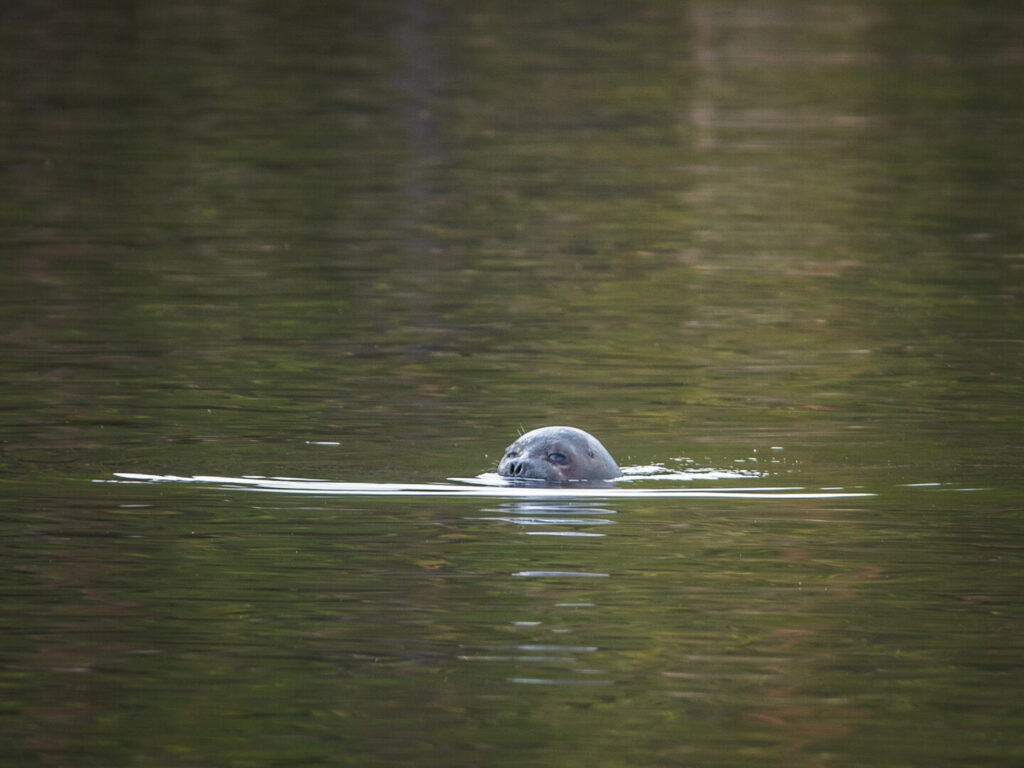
[[511, 453], [558, 458]]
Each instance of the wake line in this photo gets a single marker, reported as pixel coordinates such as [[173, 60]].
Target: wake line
[[447, 490]]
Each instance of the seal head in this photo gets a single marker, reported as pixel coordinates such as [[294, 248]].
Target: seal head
[[558, 455]]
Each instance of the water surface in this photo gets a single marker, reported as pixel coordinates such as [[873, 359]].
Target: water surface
[[324, 261]]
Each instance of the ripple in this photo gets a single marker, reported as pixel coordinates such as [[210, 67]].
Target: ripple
[[560, 575], [473, 488]]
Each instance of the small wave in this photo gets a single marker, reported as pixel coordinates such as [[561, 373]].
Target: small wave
[[661, 472], [479, 487]]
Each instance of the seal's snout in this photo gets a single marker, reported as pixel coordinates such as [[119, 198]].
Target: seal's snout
[[529, 468], [520, 464], [516, 468]]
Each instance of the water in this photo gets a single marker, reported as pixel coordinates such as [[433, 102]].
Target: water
[[324, 261]]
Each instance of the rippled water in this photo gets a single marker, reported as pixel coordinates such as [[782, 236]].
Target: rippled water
[[488, 486], [284, 279]]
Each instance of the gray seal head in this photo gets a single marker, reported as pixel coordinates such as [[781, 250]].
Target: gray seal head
[[558, 455]]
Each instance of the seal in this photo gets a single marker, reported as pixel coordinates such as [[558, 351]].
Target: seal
[[558, 455]]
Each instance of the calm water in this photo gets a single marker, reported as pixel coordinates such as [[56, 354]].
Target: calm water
[[761, 245]]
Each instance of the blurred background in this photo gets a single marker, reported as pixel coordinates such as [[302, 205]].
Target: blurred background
[[372, 241]]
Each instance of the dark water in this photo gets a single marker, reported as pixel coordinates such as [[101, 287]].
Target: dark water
[[370, 242]]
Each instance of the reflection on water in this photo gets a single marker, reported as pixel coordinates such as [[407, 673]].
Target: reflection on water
[[553, 516], [555, 663]]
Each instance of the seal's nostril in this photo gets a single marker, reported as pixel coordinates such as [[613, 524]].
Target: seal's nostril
[[517, 468]]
